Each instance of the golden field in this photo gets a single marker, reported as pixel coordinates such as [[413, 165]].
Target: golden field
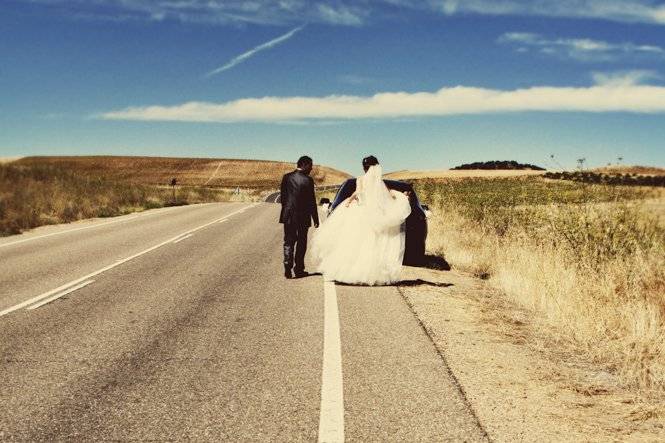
[[188, 171], [41, 194], [36, 191], [639, 170], [465, 173], [587, 261]]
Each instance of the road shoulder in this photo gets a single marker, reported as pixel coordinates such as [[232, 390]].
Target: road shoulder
[[520, 385]]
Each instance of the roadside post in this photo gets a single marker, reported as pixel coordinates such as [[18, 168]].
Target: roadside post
[[174, 182]]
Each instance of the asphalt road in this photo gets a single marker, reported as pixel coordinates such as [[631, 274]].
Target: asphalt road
[[183, 328]]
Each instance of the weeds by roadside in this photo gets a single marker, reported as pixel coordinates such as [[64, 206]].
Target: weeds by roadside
[[588, 260], [42, 194]]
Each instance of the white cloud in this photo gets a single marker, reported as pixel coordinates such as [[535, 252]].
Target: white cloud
[[246, 55], [617, 95], [644, 11], [582, 49]]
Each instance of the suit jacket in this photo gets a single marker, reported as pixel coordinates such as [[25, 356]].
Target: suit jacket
[[298, 200]]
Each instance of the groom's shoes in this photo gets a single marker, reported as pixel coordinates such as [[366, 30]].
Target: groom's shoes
[[302, 274], [287, 273]]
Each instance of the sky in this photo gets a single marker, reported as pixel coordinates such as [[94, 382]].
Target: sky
[[427, 84]]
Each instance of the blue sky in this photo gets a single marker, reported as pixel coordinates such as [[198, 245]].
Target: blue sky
[[419, 84]]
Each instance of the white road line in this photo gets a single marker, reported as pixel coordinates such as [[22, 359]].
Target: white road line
[[106, 268], [60, 294], [331, 420], [224, 220], [132, 217], [183, 238]]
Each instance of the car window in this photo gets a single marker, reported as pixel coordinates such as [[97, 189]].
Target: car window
[[349, 187], [344, 192]]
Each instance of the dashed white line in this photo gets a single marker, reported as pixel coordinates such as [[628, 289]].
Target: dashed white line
[[60, 294], [183, 238], [111, 266], [331, 418]]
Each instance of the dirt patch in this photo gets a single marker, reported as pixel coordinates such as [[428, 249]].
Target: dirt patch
[[522, 386]]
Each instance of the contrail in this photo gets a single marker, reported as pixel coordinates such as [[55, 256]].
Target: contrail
[[244, 56]]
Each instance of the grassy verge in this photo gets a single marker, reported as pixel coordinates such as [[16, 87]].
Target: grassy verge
[[587, 260], [41, 194]]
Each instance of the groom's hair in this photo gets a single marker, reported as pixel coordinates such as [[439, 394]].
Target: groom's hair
[[369, 161], [304, 161]]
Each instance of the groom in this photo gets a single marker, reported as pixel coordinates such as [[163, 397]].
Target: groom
[[298, 211]]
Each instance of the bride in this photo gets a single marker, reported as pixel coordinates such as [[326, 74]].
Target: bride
[[362, 241]]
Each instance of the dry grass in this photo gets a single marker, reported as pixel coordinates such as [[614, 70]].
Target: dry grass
[[39, 194], [467, 173], [639, 170], [8, 159], [588, 261], [188, 171]]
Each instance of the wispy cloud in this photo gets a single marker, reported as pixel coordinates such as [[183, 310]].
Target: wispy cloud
[[581, 49], [223, 12], [621, 94], [262, 47], [351, 12], [630, 11], [624, 78]]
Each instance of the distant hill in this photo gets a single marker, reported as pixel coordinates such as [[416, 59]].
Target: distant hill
[[187, 171], [499, 165], [640, 170]]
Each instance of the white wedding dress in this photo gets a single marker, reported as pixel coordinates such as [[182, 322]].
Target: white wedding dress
[[363, 243]]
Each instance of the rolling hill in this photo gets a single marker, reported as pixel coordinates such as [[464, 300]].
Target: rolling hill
[[187, 171]]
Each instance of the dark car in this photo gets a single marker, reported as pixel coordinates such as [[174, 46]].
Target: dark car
[[416, 222]]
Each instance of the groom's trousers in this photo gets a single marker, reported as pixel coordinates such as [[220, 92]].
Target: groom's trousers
[[295, 246]]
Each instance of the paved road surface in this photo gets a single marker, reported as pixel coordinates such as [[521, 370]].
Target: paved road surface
[[183, 327]]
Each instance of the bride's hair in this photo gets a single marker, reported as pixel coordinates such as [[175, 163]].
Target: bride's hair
[[369, 161]]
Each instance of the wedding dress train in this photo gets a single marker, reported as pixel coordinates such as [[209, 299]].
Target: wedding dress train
[[363, 243]]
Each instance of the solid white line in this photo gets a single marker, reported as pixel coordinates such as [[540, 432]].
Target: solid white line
[[129, 218], [182, 238], [60, 294], [106, 268], [331, 420], [224, 220]]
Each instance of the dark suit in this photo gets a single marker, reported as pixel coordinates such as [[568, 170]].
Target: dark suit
[[298, 211]]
